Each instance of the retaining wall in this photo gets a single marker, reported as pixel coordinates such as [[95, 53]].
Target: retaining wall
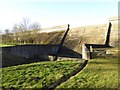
[[94, 34]]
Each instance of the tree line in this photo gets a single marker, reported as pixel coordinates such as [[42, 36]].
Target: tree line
[[22, 33]]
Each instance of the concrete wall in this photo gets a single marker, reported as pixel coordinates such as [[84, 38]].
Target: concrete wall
[[85, 52], [94, 34], [114, 30], [21, 54], [31, 50]]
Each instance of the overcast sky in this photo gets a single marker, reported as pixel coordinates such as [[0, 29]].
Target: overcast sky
[[57, 12]]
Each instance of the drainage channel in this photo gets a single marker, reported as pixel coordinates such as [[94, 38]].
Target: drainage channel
[[65, 78]]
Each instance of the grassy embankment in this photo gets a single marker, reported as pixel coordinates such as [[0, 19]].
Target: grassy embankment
[[99, 73], [36, 75]]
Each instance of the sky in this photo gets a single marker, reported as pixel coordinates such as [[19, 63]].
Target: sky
[[57, 12]]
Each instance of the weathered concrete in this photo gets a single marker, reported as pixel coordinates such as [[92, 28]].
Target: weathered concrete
[[31, 50], [94, 34], [85, 52], [21, 54]]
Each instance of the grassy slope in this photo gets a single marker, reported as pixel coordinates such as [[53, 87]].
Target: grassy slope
[[36, 75], [99, 73]]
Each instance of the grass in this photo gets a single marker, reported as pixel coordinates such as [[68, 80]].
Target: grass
[[36, 75], [6, 45], [99, 73]]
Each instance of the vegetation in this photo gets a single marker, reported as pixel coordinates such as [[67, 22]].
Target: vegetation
[[99, 73], [23, 32], [36, 75], [5, 45], [26, 32], [32, 37]]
